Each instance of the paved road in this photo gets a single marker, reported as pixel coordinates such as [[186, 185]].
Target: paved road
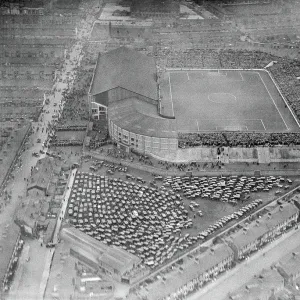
[[36, 287], [242, 273]]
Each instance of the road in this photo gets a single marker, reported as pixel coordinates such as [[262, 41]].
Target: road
[[244, 272], [25, 283]]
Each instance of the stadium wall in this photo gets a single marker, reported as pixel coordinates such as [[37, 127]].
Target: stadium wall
[[144, 144], [283, 154]]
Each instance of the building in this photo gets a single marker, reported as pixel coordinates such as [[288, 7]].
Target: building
[[124, 89], [155, 9], [41, 176], [193, 271], [289, 267], [264, 287], [20, 7], [10, 246], [120, 74], [110, 260], [264, 229]]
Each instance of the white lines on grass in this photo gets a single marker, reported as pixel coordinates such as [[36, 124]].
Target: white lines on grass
[[241, 76], [188, 75], [171, 97], [272, 100], [197, 125], [263, 124]]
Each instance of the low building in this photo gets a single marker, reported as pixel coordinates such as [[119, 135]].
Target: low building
[[10, 246], [198, 268], [259, 232], [111, 260], [289, 267], [41, 176], [93, 287], [264, 287]]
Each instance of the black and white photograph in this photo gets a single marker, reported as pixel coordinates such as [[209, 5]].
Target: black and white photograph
[[149, 149]]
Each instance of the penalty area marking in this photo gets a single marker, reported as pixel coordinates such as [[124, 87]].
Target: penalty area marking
[[273, 100]]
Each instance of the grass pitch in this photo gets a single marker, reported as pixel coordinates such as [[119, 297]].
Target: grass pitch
[[225, 100]]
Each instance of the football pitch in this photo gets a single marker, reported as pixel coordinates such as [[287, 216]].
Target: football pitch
[[225, 100]]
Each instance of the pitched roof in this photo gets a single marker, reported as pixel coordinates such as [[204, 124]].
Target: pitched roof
[[125, 68], [263, 225], [115, 257], [42, 173], [290, 263], [207, 260], [140, 117], [259, 287]]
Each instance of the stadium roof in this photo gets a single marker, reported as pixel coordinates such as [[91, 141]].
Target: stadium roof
[[126, 68], [140, 117]]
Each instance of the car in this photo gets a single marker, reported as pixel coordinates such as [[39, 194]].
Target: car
[[50, 245]]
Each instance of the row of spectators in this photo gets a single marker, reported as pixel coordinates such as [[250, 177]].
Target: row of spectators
[[210, 58], [285, 72], [235, 139]]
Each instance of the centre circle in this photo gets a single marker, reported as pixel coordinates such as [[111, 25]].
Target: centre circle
[[221, 98]]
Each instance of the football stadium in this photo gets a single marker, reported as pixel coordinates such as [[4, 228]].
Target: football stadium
[[153, 112]]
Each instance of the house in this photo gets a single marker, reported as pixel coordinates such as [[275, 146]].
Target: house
[[264, 229], [41, 177], [263, 287], [289, 267]]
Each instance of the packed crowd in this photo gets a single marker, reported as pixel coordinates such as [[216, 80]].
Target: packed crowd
[[236, 139], [285, 72]]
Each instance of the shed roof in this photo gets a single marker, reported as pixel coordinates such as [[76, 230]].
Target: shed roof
[[126, 68]]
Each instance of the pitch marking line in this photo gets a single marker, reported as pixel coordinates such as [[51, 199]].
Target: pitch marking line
[[220, 102], [197, 125], [171, 94], [241, 76], [273, 101], [188, 75], [263, 124]]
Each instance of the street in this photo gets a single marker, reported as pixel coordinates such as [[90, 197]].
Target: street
[[243, 272]]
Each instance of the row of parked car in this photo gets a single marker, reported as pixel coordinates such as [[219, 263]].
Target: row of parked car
[[225, 188]]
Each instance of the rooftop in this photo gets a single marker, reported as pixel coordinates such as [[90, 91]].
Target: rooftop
[[259, 287], [7, 245], [115, 257], [42, 173], [141, 117], [126, 68], [257, 228], [291, 262], [191, 269]]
